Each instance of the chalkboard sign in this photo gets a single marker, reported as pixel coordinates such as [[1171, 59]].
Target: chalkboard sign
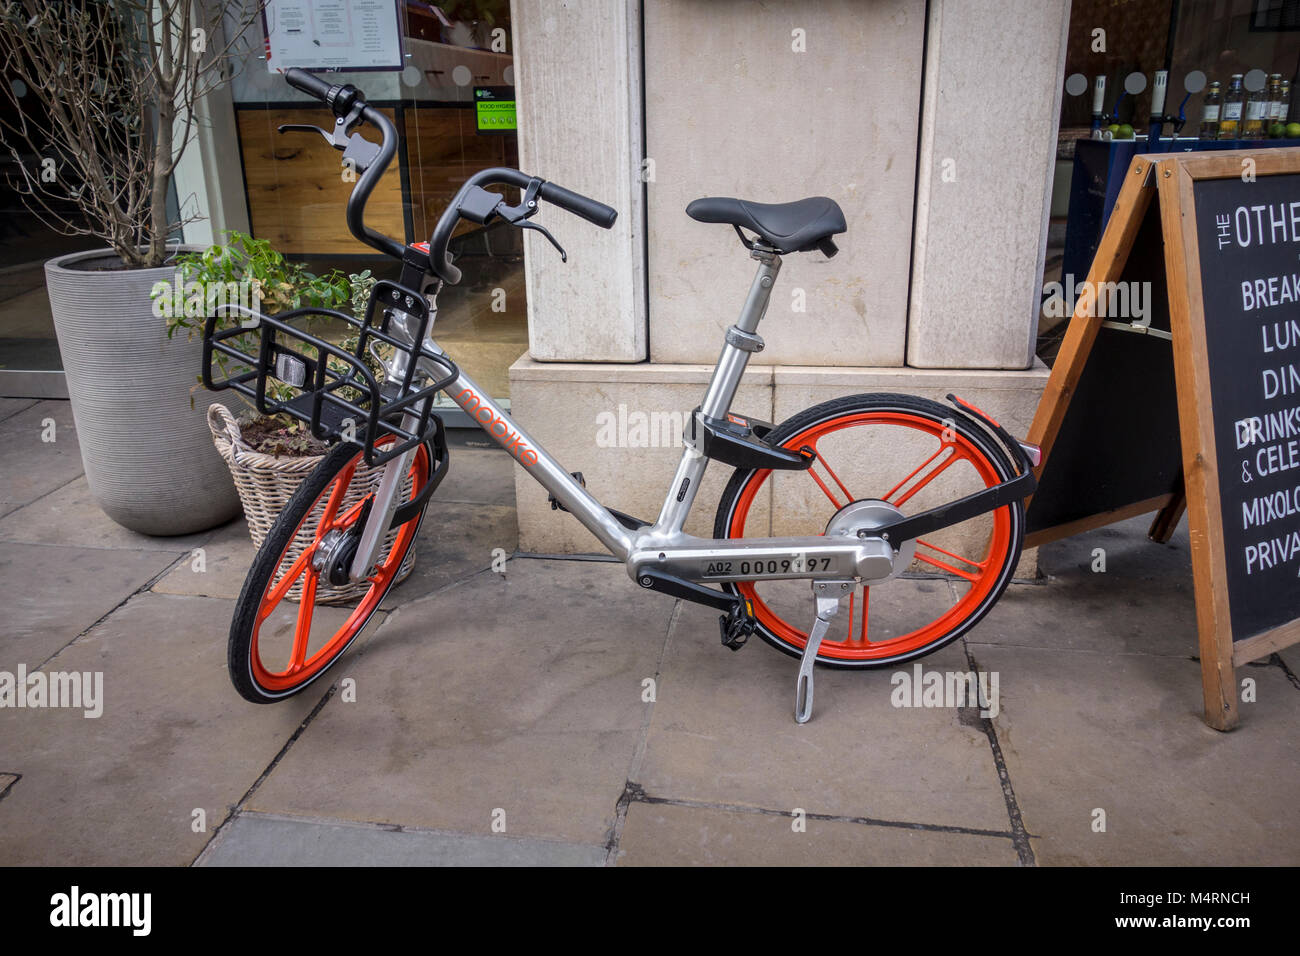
[[1249, 251], [1196, 404], [1125, 391]]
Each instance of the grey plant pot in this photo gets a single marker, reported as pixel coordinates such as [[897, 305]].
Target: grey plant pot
[[146, 449]]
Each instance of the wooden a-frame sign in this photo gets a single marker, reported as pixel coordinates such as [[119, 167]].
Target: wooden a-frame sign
[[1216, 238]]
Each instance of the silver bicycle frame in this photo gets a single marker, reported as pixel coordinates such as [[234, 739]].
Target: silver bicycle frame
[[664, 546]]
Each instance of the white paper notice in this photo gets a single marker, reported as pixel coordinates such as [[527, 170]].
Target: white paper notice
[[333, 35]]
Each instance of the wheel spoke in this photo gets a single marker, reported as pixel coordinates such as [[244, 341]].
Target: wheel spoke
[[336, 500], [822, 485], [942, 467], [865, 616], [890, 493], [302, 632], [277, 593], [947, 567], [350, 515], [860, 609], [825, 464], [956, 557]]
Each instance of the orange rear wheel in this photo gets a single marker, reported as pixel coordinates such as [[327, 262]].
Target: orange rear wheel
[[914, 454]]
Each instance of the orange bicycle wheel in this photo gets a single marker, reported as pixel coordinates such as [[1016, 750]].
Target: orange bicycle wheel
[[914, 454], [277, 647]]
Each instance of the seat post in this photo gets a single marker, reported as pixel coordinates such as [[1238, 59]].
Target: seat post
[[741, 337], [741, 340]]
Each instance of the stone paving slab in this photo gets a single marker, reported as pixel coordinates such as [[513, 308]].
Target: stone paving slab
[[54, 593], [1112, 611], [30, 467], [174, 737], [523, 693], [69, 515], [457, 540], [518, 692], [12, 406], [259, 839], [218, 571], [478, 474], [723, 732], [675, 835], [1123, 733]]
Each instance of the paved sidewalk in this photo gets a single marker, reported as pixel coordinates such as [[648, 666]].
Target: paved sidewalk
[[488, 700]]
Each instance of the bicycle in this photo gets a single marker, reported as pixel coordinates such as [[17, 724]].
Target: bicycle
[[782, 472]]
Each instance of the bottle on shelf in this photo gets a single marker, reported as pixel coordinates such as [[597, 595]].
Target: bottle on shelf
[[1156, 123], [1098, 101], [1274, 109], [1252, 125], [1233, 103], [1284, 106], [1210, 112]]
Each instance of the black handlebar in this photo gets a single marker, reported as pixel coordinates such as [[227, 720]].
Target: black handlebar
[[596, 213], [342, 100], [309, 83]]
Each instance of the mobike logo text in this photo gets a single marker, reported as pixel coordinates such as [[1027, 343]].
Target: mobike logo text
[[497, 427]]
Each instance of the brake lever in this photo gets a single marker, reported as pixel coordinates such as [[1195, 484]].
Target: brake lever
[[564, 256], [357, 150], [300, 128], [527, 208]]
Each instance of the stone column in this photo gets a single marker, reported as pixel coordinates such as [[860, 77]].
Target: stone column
[[773, 103], [993, 83], [578, 81]]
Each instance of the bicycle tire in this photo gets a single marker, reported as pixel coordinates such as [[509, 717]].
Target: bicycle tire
[[250, 677], [880, 408]]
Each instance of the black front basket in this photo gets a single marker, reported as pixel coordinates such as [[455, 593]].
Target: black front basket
[[333, 390]]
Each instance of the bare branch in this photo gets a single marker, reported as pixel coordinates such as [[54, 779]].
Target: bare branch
[[112, 86]]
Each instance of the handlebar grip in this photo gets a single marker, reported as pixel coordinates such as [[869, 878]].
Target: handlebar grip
[[596, 213], [309, 83]]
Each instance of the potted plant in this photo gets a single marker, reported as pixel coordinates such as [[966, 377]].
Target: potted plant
[[269, 456], [107, 108]]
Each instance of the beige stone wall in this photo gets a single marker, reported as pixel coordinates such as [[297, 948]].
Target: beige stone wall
[[988, 150], [578, 79], [733, 110]]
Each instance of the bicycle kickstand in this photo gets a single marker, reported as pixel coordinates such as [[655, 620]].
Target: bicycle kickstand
[[827, 607]]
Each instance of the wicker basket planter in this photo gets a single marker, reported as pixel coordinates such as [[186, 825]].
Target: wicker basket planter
[[266, 482]]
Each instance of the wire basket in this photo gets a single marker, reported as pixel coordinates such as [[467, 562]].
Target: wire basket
[[333, 390]]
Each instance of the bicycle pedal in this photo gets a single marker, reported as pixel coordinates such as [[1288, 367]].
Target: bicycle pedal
[[737, 625], [555, 504]]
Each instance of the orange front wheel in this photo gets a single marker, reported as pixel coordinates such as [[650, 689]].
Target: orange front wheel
[[914, 454], [286, 630]]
